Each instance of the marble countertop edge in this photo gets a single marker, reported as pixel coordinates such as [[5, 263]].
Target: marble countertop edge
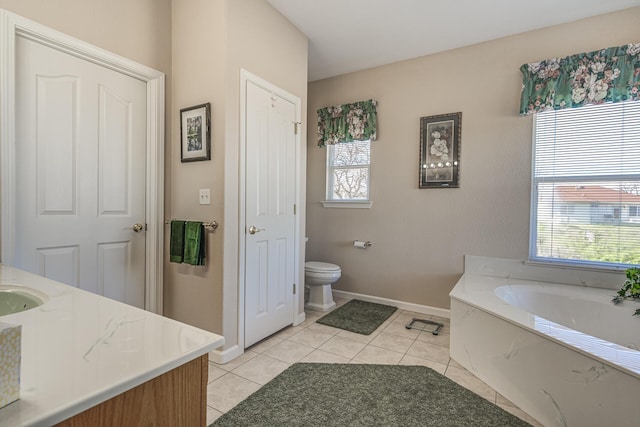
[[106, 393], [81, 349]]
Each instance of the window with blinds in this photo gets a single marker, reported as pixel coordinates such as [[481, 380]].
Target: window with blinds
[[348, 171], [586, 185]]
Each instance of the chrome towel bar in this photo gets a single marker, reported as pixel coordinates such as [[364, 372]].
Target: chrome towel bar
[[209, 225]]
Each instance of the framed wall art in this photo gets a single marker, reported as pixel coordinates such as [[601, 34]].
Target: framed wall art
[[195, 133], [440, 151]]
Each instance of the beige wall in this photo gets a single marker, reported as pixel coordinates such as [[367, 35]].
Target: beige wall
[[212, 40], [193, 294], [136, 29], [421, 235]]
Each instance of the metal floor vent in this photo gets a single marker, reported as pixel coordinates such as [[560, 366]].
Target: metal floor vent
[[423, 327]]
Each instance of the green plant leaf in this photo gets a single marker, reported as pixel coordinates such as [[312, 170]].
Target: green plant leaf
[[630, 288]]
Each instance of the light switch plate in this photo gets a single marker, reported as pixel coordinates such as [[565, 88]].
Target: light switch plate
[[205, 196]]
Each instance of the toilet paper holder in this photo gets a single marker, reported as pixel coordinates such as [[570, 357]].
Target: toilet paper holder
[[362, 245]]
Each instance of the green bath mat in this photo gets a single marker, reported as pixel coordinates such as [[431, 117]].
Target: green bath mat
[[317, 394], [358, 316]]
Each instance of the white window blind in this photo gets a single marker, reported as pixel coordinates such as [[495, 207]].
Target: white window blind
[[586, 185], [348, 171]]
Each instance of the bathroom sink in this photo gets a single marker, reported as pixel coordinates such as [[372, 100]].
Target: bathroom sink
[[14, 299]]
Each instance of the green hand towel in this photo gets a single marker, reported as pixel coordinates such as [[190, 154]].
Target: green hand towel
[[176, 241], [194, 243]]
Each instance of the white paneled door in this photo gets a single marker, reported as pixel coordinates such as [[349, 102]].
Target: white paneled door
[[269, 212], [80, 173]]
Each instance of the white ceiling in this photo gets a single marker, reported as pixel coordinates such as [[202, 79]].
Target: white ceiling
[[352, 35]]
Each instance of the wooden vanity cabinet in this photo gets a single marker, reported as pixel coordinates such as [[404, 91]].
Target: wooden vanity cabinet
[[176, 398]]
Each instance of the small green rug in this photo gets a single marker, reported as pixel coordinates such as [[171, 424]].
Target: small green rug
[[317, 394], [358, 316]]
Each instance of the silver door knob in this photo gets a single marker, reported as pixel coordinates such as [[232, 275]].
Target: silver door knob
[[254, 230], [137, 227]]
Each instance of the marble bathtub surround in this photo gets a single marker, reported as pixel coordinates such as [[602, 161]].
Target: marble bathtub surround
[[581, 318], [528, 337]]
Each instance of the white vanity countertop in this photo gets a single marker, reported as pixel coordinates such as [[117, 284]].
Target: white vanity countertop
[[81, 349]]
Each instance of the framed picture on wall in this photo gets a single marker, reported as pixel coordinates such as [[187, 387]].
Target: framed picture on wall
[[195, 133], [440, 151]]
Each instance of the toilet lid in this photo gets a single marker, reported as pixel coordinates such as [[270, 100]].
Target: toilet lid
[[320, 266]]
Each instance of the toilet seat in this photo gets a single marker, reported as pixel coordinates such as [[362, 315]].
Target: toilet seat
[[320, 267]]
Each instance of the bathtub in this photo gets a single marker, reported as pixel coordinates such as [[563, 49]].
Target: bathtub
[[549, 340]]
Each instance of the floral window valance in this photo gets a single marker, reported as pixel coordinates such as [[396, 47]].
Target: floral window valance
[[347, 123], [607, 75]]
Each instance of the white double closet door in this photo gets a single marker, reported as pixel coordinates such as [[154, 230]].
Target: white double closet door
[[80, 172]]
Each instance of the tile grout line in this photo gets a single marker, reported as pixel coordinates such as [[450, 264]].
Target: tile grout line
[[375, 334]]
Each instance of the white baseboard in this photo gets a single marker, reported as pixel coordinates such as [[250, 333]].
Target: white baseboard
[[417, 308], [223, 356], [299, 319]]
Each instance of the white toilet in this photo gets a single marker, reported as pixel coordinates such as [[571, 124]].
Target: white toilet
[[318, 277]]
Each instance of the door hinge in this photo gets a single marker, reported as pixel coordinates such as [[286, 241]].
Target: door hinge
[[294, 288], [295, 209], [295, 127]]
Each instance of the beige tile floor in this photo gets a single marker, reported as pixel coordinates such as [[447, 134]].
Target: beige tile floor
[[391, 343]]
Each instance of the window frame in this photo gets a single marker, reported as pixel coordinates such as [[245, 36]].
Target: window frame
[[533, 258], [331, 202]]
